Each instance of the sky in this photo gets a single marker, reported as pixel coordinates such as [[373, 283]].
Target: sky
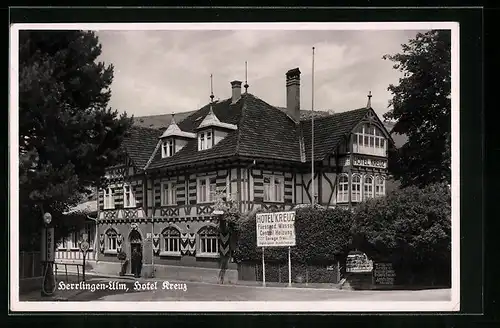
[[164, 72]]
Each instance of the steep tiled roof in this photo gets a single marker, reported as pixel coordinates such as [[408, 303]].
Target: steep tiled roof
[[329, 131], [263, 131], [140, 144], [163, 121]]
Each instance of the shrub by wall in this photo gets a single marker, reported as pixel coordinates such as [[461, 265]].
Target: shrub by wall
[[411, 228], [322, 239]]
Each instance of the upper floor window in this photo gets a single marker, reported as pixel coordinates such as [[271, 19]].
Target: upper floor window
[[369, 139], [168, 193], [206, 189], [205, 140], [167, 148], [379, 186], [209, 241], [171, 241], [128, 196], [343, 190], [368, 187], [274, 190], [356, 188], [109, 202]]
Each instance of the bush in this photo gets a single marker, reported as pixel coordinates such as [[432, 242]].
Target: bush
[[122, 256], [322, 236], [411, 228]]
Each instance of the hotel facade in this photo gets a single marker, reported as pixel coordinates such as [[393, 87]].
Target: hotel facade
[[160, 200]]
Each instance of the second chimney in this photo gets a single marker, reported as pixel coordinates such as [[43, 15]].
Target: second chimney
[[293, 94], [236, 88]]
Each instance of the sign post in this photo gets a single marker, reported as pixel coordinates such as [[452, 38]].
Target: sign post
[[289, 268], [263, 269], [276, 230]]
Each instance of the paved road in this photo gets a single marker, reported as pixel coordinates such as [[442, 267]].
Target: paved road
[[128, 290]]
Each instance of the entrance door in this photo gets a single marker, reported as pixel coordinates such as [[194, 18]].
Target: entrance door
[[135, 241]]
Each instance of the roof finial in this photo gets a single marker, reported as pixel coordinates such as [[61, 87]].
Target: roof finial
[[369, 104], [172, 121], [246, 78], [211, 89]]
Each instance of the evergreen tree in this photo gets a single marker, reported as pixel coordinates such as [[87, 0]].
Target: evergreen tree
[[67, 133]]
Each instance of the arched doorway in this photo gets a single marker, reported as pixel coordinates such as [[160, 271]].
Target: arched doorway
[[135, 243]]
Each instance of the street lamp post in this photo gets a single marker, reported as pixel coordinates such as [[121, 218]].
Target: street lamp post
[[48, 286]]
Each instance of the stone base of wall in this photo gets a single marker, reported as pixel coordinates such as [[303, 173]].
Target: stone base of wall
[[184, 273], [180, 273]]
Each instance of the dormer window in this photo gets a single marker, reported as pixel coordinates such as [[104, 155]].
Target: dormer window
[[205, 140], [167, 148], [211, 130]]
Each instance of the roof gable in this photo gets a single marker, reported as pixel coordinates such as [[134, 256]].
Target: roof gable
[[329, 131], [140, 143]]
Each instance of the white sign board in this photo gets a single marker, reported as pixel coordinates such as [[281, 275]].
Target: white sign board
[[275, 229]]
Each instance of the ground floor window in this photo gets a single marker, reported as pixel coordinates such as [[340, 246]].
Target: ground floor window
[[343, 189], [368, 187], [356, 188], [171, 240], [111, 240], [209, 241], [379, 186]]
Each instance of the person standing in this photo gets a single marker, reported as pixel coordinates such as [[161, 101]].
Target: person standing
[[139, 262], [135, 261]]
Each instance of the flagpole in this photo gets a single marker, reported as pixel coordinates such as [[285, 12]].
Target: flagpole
[[312, 131]]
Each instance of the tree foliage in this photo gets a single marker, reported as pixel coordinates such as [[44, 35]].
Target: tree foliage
[[322, 237], [410, 228], [421, 108], [67, 133]]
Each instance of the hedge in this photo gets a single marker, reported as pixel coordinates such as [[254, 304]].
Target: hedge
[[322, 237]]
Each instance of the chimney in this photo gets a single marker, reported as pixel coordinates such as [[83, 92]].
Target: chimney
[[293, 93], [236, 87]]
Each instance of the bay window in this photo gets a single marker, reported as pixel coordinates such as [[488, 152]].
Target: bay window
[[168, 193], [368, 187], [356, 188], [343, 189], [379, 186], [369, 139], [274, 190]]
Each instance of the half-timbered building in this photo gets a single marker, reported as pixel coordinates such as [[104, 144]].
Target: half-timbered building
[[161, 199]]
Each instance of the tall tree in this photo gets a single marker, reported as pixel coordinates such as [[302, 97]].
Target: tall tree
[[421, 109], [67, 133]]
